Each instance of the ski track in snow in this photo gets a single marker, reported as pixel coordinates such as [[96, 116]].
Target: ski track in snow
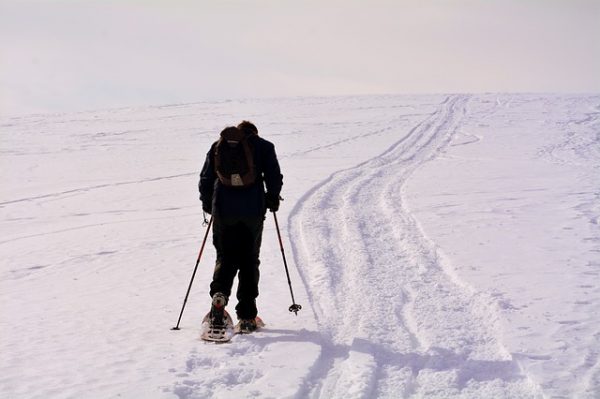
[[409, 327], [82, 190]]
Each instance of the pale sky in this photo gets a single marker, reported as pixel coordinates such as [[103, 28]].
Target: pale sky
[[73, 55]]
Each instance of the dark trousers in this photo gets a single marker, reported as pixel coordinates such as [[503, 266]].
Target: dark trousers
[[237, 241]]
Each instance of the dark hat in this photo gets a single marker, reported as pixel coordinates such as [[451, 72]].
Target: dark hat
[[248, 128]]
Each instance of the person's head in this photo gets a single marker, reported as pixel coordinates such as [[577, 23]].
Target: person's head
[[248, 128]]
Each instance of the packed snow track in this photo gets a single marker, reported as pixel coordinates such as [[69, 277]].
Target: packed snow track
[[394, 321]]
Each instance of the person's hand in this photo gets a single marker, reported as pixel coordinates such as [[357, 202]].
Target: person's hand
[[272, 202], [207, 207]]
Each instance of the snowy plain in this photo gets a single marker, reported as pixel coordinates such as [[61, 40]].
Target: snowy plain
[[442, 246]]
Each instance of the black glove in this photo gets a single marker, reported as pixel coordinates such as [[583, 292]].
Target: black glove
[[207, 207], [272, 202]]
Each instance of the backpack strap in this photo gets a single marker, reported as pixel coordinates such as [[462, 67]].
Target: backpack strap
[[249, 177], [224, 179]]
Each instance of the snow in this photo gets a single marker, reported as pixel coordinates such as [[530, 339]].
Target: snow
[[441, 246]]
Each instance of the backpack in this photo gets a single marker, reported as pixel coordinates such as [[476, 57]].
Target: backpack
[[234, 162]]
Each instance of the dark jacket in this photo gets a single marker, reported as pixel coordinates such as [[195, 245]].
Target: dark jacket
[[242, 202]]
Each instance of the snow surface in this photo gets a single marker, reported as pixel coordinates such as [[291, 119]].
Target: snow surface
[[441, 246]]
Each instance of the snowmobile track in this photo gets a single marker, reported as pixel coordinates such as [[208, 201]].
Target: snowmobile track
[[410, 327]]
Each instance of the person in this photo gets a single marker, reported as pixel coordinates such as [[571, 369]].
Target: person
[[238, 216]]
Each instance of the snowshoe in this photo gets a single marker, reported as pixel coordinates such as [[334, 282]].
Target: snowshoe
[[247, 326], [217, 325], [217, 331]]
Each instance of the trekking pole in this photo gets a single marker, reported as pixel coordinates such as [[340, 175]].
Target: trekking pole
[[194, 274], [294, 307]]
